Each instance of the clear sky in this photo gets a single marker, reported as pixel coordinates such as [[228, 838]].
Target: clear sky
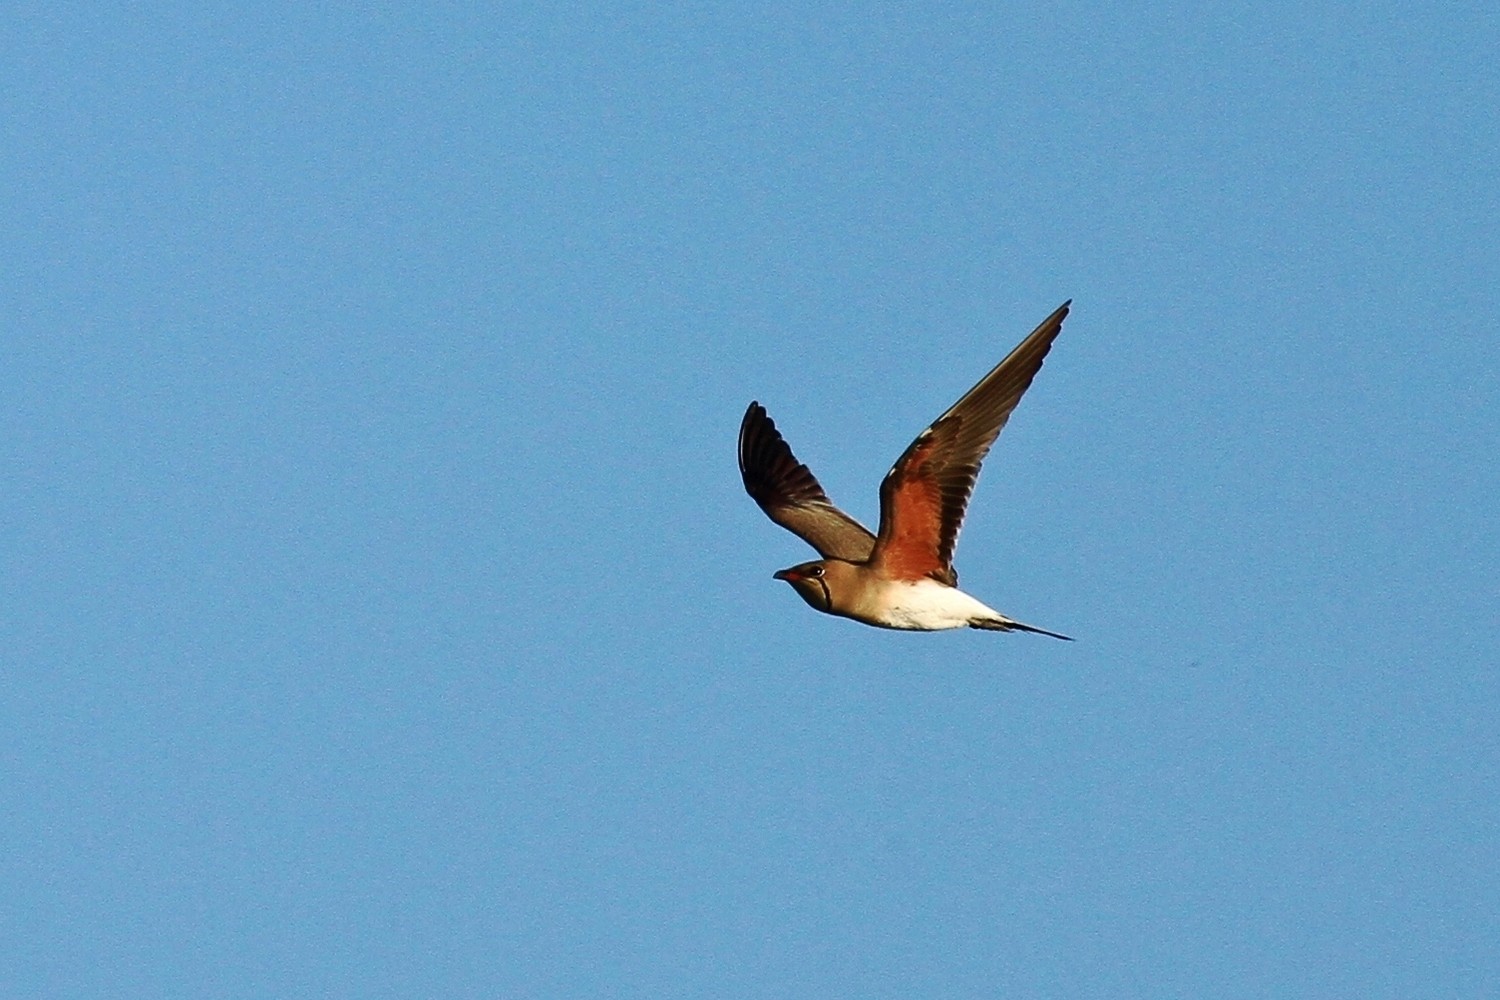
[[384, 617]]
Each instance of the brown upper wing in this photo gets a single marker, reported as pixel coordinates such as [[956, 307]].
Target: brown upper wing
[[923, 497], [791, 496]]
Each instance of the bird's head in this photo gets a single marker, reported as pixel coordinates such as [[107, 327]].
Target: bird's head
[[810, 581]]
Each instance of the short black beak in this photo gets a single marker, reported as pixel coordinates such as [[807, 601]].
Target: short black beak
[[785, 574]]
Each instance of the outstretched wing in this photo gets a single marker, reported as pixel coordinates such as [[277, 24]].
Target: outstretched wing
[[924, 496], [790, 494]]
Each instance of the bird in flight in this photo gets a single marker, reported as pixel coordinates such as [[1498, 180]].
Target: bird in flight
[[902, 577]]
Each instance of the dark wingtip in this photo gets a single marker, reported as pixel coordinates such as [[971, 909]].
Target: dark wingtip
[[750, 437]]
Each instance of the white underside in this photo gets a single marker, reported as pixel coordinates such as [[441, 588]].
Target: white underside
[[927, 606]]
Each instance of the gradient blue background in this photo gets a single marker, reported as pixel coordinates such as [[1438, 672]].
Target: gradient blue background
[[383, 616]]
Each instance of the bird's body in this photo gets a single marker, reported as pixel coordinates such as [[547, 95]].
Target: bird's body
[[902, 577], [923, 605]]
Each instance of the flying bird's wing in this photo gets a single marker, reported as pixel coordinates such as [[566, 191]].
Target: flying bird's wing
[[923, 497], [790, 494]]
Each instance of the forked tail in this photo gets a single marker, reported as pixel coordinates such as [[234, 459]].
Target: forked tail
[[1006, 625]]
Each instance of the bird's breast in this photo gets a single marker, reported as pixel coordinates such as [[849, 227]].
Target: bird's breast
[[920, 605]]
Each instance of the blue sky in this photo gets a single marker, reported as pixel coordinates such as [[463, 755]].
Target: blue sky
[[385, 618]]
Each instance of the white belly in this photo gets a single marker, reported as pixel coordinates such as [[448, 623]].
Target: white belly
[[926, 606]]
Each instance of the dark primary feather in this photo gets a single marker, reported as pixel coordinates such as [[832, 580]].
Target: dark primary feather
[[791, 496], [938, 470]]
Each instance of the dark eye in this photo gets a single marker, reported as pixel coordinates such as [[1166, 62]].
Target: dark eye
[[816, 572]]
